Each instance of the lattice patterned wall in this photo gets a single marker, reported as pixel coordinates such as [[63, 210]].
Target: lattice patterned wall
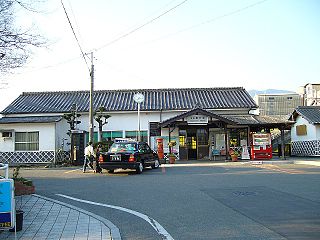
[[27, 157], [306, 148], [166, 157]]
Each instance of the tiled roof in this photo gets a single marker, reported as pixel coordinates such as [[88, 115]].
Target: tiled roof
[[255, 120], [310, 113], [250, 120], [196, 111], [122, 100], [38, 119]]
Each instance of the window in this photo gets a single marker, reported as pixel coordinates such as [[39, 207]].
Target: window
[[122, 147], [144, 148], [108, 135], [27, 141], [301, 130], [202, 136], [182, 138], [134, 135], [271, 98]]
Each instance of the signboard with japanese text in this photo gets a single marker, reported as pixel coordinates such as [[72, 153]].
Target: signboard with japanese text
[[197, 120], [6, 204]]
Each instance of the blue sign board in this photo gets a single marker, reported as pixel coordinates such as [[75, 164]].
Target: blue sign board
[[6, 204]]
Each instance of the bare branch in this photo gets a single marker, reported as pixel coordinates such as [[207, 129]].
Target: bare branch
[[15, 44]]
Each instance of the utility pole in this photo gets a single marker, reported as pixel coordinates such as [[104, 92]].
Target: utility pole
[[91, 101]]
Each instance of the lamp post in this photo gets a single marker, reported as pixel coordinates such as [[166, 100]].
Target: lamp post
[[138, 98]]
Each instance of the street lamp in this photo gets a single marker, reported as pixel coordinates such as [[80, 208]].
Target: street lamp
[[138, 98]]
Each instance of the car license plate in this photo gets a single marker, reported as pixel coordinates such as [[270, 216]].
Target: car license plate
[[115, 157]]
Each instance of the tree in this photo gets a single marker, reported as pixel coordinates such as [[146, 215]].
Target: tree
[[72, 118], [15, 43], [101, 118]]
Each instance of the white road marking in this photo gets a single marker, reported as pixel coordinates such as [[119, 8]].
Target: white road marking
[[156, 226]]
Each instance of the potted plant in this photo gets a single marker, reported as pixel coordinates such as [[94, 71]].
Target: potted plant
[[234, 155], [22, 186], [172, 157]]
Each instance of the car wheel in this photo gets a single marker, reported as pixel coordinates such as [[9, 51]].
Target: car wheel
[[111, 171], [139, 168], [156, 164]]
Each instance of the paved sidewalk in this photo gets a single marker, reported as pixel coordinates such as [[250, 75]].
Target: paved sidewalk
[[46, 218]]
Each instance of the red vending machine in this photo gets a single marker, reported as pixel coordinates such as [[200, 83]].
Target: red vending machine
[[261, 147]]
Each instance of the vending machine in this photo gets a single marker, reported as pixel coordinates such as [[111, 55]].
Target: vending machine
[[261, 147]]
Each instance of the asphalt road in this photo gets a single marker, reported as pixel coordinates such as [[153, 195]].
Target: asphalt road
[[209, 201]]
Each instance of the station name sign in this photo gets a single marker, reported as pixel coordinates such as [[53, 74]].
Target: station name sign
[[197, 120]]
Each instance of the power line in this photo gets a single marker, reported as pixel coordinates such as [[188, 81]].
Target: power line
[[117, 39], [160, 38], [207, 21], [74, 34], [141, 26], [137, 24]]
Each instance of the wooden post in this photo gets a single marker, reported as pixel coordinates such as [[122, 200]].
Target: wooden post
[[282, 143], [226, 141]]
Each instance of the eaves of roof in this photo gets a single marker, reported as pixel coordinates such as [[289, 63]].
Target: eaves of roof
[[38, 119], [261, 121], [310, 113], [196, 111]]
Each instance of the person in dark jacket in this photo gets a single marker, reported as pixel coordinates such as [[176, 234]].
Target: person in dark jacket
[[97, 167]]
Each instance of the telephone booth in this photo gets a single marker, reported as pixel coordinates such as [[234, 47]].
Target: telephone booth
[[261, 147]]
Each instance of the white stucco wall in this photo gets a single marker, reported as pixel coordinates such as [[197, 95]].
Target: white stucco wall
[[127, 121], [62, 138], [313, 131], [46, 135]]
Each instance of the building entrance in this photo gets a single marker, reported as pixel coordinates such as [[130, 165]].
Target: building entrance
[[194, 143]]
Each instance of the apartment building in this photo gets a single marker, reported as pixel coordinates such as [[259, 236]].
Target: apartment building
[[310, 94]]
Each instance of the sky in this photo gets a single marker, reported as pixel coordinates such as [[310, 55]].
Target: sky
[[151, 44]]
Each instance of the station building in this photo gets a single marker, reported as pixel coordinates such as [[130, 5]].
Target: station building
[[202, 121]]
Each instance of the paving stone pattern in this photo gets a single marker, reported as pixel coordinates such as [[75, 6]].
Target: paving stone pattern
[[49, 220]]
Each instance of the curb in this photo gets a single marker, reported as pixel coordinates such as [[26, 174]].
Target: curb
[[114, 231], [313, 163]]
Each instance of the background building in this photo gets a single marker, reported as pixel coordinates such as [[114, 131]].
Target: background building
[[310, 94], [277, 105]]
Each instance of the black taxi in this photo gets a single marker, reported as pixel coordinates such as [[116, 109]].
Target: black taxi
[[129, 154]]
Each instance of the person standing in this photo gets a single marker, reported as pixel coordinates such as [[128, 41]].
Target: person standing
[[89, 156], [96, 166]]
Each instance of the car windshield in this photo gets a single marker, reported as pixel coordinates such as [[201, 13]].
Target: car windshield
[[122, 147]]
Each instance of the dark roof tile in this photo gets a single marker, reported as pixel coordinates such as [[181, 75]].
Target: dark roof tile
[[122, 100], [310, 113]]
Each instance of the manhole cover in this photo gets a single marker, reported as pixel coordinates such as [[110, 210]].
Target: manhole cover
[[244, 193]]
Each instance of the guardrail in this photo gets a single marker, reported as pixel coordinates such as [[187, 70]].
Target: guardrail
[[6, 168]]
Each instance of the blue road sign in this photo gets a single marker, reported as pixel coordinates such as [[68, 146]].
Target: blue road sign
[[6, 204]]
